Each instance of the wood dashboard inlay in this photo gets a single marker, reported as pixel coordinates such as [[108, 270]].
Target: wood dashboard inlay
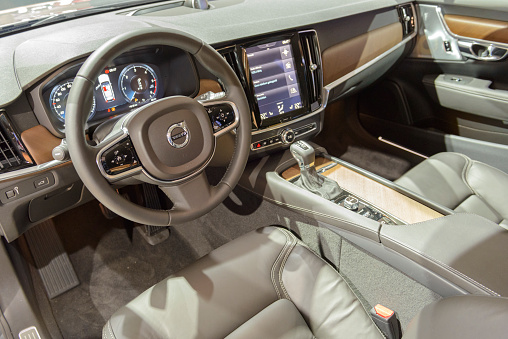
[[379, 195], [347, 56], [478, 28]]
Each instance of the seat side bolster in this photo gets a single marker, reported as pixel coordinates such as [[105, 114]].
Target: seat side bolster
[[440, 178], [324, 299]]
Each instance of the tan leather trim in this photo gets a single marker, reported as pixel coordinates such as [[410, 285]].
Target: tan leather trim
[[478, 28], [40, 142], [346, 56], [206, 85]]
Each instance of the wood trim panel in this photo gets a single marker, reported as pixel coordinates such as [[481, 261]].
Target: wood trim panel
[[478, 28], [39, 143], [294, 171], [347, 56], [383, 197], [206, 85]]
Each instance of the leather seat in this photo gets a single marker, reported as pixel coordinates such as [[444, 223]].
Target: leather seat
[[461, 184], [267, 284]]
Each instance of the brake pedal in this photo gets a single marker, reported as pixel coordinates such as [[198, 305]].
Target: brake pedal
[[153, 234]]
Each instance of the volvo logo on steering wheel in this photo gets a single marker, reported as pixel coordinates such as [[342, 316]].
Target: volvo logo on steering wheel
[[178, 135]]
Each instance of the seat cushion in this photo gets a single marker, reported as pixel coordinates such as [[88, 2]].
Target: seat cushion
[[236, 288], [459, 183]]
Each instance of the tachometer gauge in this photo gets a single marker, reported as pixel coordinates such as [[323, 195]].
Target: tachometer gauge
[[58, 99], [138, 83]]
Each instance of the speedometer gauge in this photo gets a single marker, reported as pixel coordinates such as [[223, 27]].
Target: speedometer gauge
[[58, 99], [138, 83]]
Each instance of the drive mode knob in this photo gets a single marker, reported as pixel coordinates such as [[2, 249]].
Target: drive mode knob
[[287, 136], [351, 203]]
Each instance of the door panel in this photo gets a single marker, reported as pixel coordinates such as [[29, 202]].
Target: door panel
[[455, 83]]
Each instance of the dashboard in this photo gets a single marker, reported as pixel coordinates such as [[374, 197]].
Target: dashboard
[[284, 66], [131, 80]]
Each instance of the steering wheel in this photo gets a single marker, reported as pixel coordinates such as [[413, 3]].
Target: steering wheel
[[168, 142]]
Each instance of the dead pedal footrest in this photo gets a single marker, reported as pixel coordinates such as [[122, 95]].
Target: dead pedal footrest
[[51, 260]]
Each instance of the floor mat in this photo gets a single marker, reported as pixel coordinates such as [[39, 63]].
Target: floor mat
[[114, 265], [382, 164]]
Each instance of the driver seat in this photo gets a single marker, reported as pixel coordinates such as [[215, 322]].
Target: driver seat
[[268, 284]]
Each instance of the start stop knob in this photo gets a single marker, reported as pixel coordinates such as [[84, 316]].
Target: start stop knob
[[287, 136]]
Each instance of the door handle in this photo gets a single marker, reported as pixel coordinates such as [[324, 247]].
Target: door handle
[[482, 51]]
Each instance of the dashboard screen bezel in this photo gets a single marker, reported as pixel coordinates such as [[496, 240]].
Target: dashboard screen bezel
[[301, 76]]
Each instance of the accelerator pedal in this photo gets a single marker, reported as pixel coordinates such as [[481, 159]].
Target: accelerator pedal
[[51, 260], [153, 234]]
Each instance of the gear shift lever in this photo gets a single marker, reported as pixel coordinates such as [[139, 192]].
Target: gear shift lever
[[309, 179]]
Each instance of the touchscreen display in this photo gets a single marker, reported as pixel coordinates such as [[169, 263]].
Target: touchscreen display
[[272, 68]]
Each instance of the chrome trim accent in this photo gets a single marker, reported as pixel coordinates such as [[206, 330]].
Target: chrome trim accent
[[318, 110], [185, 133], [320, 61], [391, 143], [124, 133], [360, 69], [439, 12], [290, 122], [31, 170], [313, 125], [14, 143], [231, 127]]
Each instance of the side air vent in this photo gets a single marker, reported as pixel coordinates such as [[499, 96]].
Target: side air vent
[[312, 58], [13, 154], [407, 18]]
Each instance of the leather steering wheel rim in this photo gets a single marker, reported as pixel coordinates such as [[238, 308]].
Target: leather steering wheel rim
[[84, 155]]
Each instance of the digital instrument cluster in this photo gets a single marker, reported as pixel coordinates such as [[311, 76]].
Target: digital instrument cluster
[[117, 90]]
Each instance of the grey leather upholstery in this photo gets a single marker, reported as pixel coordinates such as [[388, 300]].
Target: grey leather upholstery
[[265, 284], [461, 317], [462, 184]]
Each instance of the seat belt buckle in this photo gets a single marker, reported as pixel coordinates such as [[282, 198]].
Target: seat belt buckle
[[386, 320]]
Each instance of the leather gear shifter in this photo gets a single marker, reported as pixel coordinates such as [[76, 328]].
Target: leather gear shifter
[[309, 179]]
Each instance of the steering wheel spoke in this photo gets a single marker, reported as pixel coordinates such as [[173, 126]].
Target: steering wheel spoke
[[190, 195], [223, 116], [116, 157]]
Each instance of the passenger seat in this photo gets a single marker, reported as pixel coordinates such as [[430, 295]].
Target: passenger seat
[[461, 184]]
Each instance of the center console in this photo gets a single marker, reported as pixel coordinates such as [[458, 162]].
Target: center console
[[282, 79]]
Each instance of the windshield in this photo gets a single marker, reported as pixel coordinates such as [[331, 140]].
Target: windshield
[[19, 14]]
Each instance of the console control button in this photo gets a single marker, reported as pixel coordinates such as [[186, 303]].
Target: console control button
[[119, 158], [221, 116], [41, 182], [287, 136], [351, 203]]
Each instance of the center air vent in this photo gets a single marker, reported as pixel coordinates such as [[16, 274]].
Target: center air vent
[[312, 58], [13, 154]]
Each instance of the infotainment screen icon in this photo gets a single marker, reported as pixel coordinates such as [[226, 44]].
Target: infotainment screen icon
[[274, 77]]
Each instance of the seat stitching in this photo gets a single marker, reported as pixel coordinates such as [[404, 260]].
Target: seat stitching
[[476, 192], [437, 261], [110, 328], [465, 169], [286, 256], [272, 273]]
